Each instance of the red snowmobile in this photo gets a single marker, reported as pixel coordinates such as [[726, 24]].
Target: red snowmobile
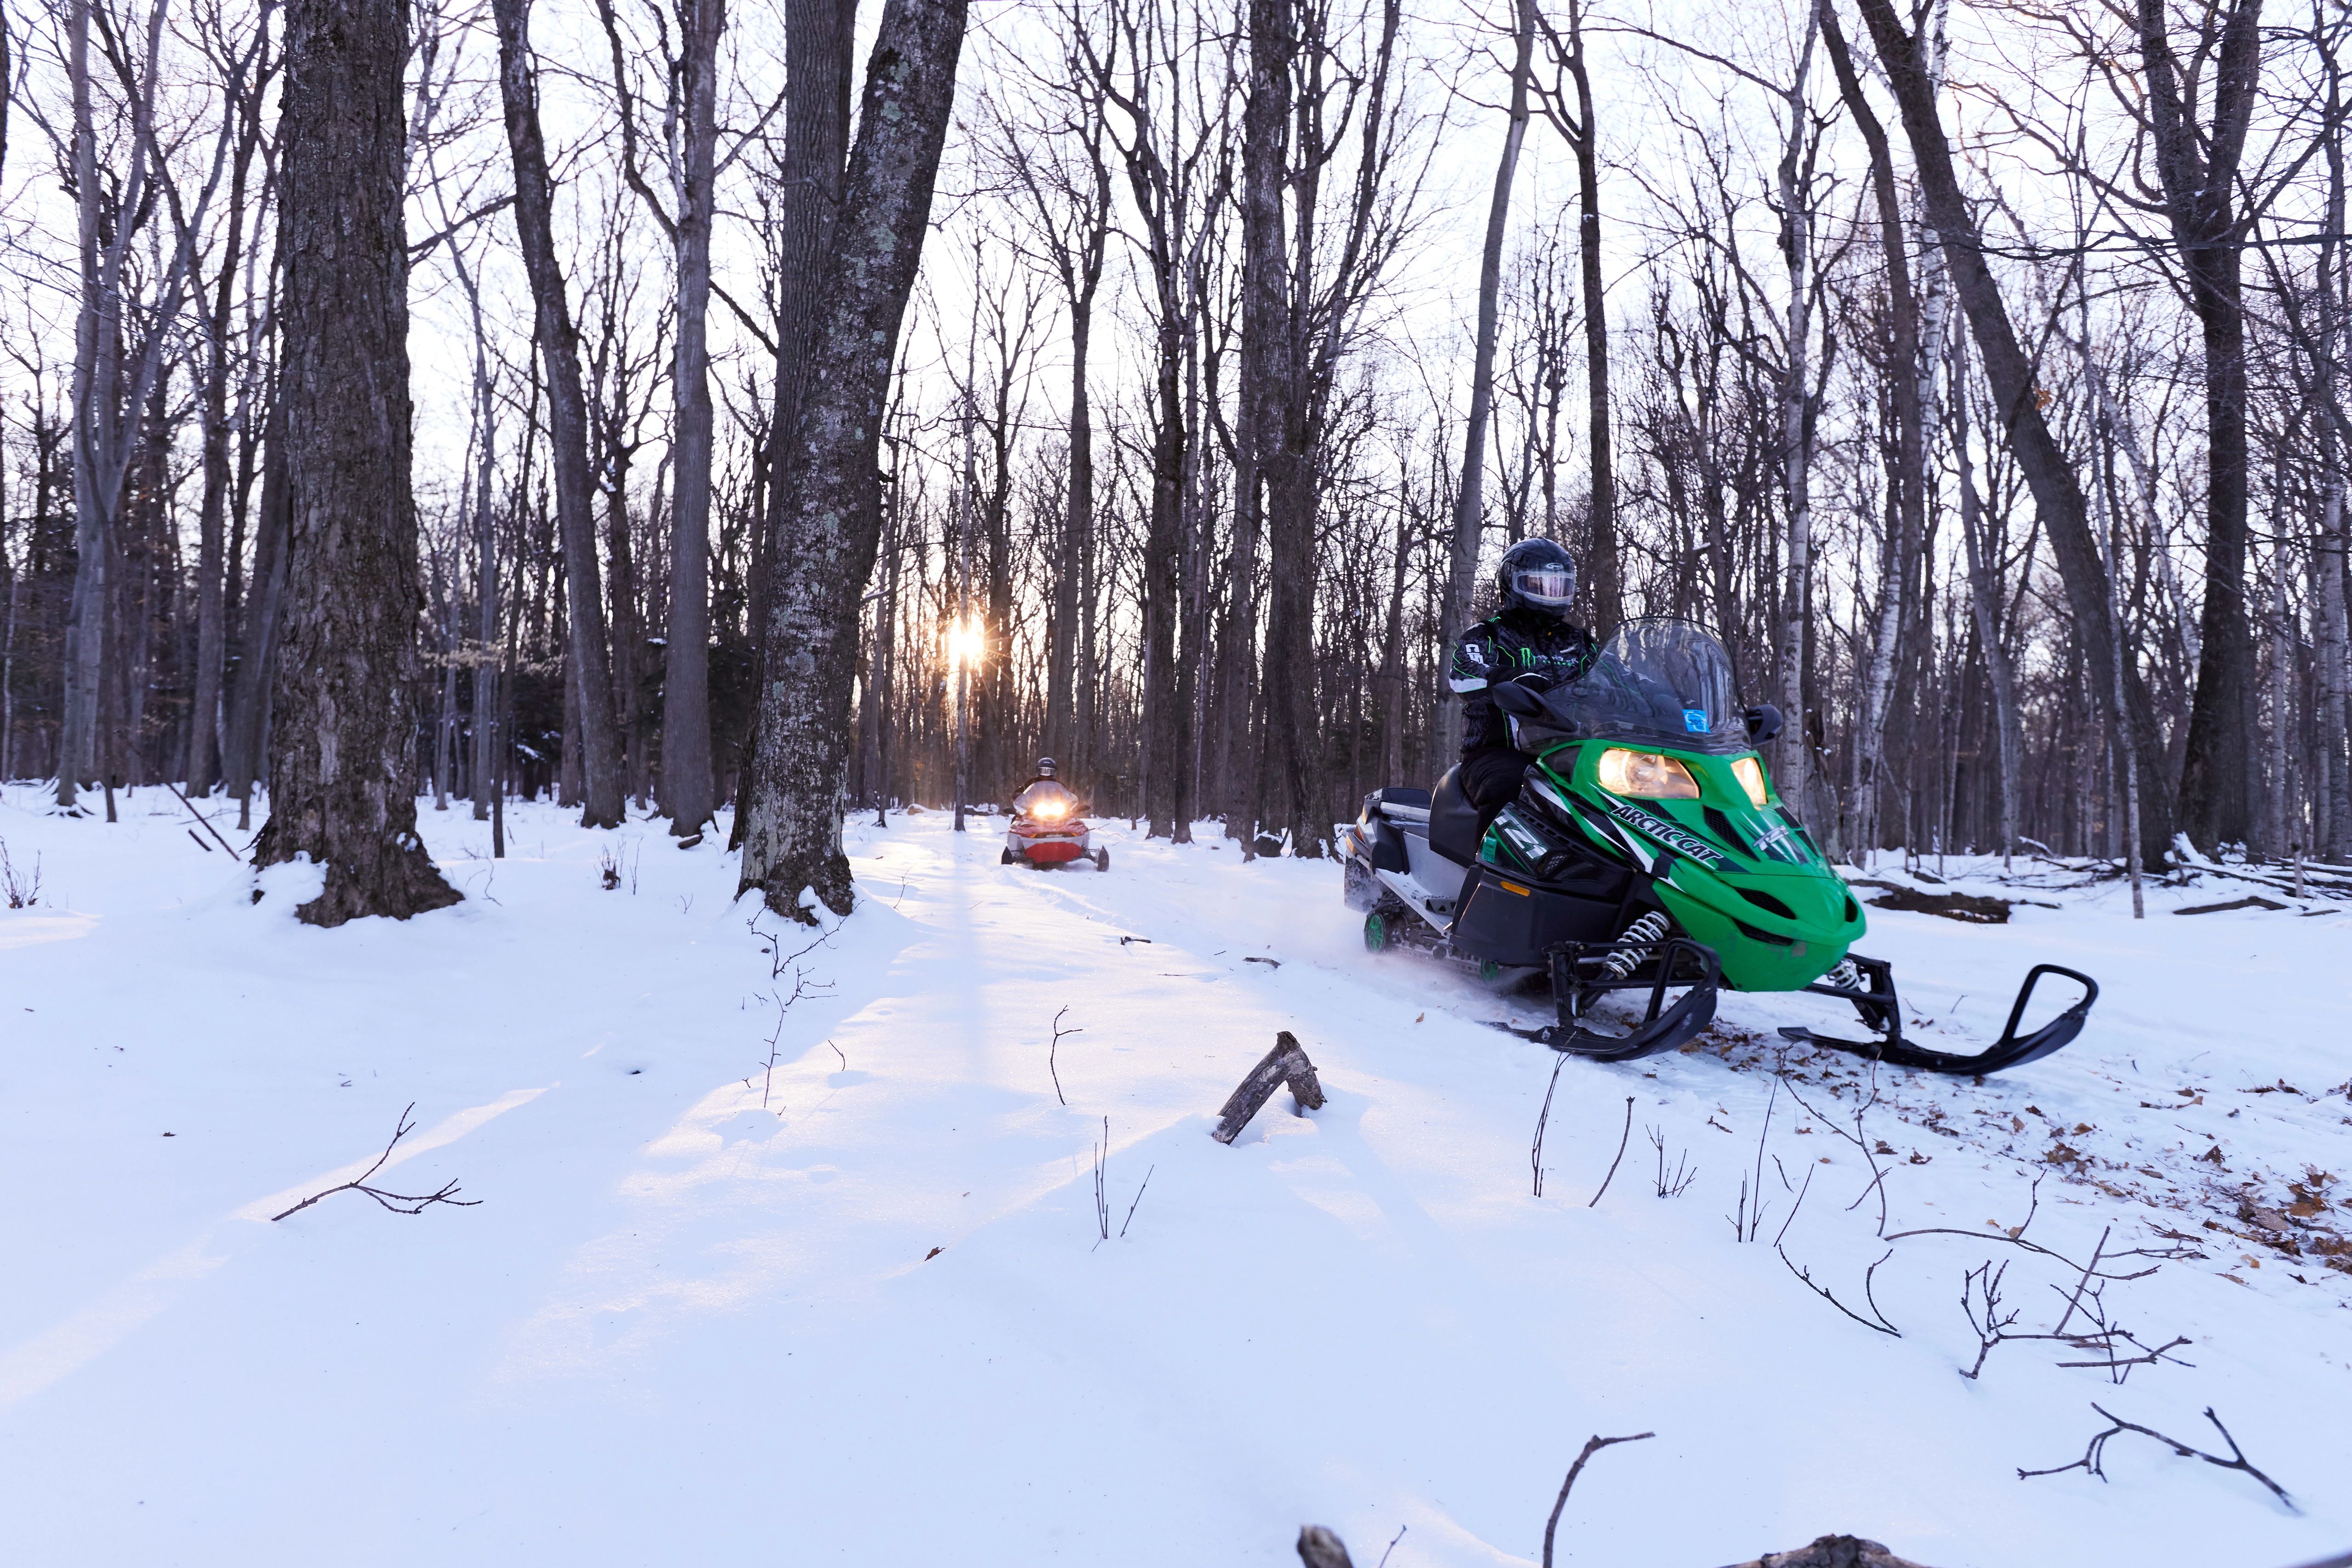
[[1047, 830]]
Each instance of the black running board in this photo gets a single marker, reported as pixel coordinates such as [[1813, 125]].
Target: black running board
[[2011, 1050], [1662, 1027]]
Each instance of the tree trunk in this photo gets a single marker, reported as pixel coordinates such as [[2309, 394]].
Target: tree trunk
[[1469, 499], [589, 683], [687, 782], [1272, 394], [1607, 575], [1793, 770], [265, 617], [1984, 604], [819, 36], [826, 542], [2198, 168], [341, 773], [94, 361]]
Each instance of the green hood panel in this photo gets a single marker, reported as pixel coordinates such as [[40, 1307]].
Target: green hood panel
[[1748, 882]]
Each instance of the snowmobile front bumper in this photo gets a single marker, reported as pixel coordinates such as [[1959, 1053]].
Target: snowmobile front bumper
[[1582, 974], [1881, 1010]]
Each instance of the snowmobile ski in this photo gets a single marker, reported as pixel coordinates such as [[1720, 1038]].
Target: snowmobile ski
[[1881, 1010]]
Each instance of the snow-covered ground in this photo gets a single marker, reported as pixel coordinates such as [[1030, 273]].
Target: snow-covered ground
[[848, 1300]]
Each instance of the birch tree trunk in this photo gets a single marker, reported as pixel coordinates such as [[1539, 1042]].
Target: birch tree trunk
[[1984, 606], [826, 542], [341, 781]]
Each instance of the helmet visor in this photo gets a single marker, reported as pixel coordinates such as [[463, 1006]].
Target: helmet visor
[[1549, 586]]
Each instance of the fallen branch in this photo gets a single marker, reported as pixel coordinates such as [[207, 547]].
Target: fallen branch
[[1591, 1447], [2094, 1455], [398, 1202], [1285, 1064]]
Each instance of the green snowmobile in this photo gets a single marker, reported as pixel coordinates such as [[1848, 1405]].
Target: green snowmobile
[[1647, 851]]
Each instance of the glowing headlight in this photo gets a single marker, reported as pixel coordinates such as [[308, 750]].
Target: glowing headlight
[[1645, 775], [1051, 810], [1749, 772]]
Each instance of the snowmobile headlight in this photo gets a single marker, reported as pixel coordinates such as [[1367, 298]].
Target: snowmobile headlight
[[1055, 810], [1749, 772], [1647, 774]]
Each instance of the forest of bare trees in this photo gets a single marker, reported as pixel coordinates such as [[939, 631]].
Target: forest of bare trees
[[821, 410]]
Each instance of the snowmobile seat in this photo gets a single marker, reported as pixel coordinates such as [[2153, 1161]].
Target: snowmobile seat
[[1399, 794], [1455, 826]]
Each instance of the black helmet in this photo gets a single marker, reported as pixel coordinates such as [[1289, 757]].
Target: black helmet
[[1045, 767], [1536, 576]]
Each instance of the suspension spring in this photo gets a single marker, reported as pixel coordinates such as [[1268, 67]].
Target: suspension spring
[[1633, 949], [1845, 977]]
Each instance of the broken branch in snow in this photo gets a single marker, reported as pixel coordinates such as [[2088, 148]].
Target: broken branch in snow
[[2094, 1456], [1591, 1447], [1285, 1064], [1622, 1139], [398, 1202]]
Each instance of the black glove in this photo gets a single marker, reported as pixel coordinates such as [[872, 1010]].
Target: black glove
[[1763, 723]]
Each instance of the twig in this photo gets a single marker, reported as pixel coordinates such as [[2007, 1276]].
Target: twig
[[1055, 1050], [2095, 1453], [1683, 1174], [1535, 1149], [1755, 1223], [1138, 1199], [1621, 1139], [2089, 1268], [1591, 1447], [1805, 1278], [1102, 1201], [1384, 1563], [415, 1204], [200, 817]]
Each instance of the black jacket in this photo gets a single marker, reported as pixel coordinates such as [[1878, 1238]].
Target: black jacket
[[1501, 647]]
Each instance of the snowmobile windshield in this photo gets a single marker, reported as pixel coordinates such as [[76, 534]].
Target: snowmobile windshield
[[1046, 799], [1663, 683]]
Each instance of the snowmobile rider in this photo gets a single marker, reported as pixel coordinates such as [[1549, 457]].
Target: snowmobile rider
[[1529, 640], [1043, 787]]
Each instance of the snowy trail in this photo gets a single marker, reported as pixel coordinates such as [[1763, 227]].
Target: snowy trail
[[874, 1321]]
